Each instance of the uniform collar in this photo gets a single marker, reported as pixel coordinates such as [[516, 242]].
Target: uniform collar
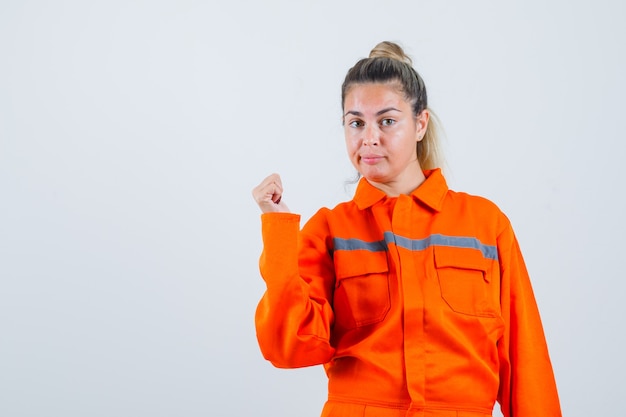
[[431, 192]]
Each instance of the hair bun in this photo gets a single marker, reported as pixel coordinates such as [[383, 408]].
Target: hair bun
[[391, 50]]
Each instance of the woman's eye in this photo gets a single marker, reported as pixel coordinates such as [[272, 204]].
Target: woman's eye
[[356, 123], [387, 122]]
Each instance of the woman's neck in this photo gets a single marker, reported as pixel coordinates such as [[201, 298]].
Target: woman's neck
[[397, 187]]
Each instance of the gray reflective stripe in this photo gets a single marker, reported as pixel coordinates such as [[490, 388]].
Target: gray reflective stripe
[[356, 244], [488, 251]]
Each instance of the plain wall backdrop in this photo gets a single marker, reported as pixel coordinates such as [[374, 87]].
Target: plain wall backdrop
[[132, 134]]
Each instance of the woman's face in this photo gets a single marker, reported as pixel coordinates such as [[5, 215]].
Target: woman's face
[[381, 136]]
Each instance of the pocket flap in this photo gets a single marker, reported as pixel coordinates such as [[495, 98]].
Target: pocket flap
[[463, 258], [359, 262]]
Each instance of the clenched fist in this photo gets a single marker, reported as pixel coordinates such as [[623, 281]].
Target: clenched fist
[[268, 195]]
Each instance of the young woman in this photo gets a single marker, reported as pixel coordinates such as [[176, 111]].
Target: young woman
[[415, 298]]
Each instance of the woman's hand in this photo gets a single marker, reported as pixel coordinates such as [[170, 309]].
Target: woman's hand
[[268, 195]]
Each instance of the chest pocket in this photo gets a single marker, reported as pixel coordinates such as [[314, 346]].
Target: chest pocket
[[362, 288], [465, 281]]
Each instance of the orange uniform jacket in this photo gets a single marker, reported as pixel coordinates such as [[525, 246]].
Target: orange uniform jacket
[[418, 305]]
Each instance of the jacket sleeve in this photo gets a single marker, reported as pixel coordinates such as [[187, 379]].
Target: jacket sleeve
[[527, 384], [294, 317]]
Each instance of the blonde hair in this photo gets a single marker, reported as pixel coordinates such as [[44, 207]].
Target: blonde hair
[[387, 63]]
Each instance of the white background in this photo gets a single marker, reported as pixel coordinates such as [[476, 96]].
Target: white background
[[131, 135]]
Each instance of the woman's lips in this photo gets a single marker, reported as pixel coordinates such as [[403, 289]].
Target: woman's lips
[[370, 159]]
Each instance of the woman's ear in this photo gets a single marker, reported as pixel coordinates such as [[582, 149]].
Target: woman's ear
[[421, 124]]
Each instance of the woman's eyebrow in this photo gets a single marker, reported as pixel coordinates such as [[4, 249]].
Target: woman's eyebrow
[[383, 111], [354, 113], [378, 113]]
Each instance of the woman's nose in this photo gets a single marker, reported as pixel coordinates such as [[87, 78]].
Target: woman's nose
[[371, 135]]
